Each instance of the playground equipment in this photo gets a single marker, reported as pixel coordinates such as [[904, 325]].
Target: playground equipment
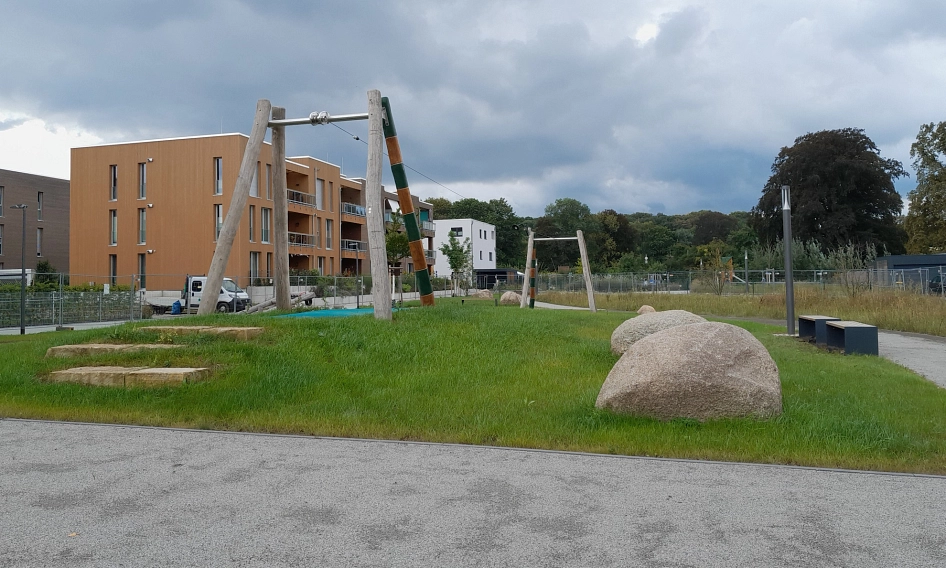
[[533, 267], [267, 116]]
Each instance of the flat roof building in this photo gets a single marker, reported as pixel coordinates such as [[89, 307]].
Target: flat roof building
[[47, 220]]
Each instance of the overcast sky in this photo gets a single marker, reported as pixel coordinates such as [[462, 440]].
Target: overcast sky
[[656, 106]]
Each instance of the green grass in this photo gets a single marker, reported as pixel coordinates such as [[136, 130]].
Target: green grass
[[896, 310], [479, 374]]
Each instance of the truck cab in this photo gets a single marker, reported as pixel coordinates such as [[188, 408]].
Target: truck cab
[[230, 299]]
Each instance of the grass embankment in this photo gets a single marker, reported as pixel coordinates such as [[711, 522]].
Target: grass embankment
[[479, 374], [900, 311]]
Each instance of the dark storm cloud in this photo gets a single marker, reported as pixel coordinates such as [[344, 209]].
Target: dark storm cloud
[[553, 96]]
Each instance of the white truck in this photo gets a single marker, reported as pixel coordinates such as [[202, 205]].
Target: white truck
[[231, 298]]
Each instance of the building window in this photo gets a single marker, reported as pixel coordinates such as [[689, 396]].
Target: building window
[[218, 176], [141, 226], [321, 266], [254, 183], [142, 180], [269, 182], [269, 265], [113, 187], [331, 196], [113, 226], [457, 231], [1, 239], [39, 205], [318, 231], [481, 255], [39, 241], [252, 223], [328, 233], [142, 272], [265, 219], [113, 268], [254, 266], [1, 201], [491, 256], [218, 219], [319, 190], [492, 235]]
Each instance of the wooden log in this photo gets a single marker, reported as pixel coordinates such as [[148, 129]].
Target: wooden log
[[280, 215], [231, 223], [377, 251], [586, 271], [524, 301]]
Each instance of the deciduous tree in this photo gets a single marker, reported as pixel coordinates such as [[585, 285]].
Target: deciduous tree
[[925, 224], [841, 191]]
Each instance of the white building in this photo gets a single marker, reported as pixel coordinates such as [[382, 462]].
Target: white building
[[482, 242]]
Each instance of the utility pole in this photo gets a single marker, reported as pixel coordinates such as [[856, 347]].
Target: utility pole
[[787, 243]]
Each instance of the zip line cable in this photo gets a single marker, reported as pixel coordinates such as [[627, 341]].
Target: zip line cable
[[405, 165]]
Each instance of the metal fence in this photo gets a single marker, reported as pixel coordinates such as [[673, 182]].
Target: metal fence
[[60, 299], [754, 282]]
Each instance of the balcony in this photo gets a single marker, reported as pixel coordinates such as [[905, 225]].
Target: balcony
[[353, 209], [428, 228], [350, 245], [301, 240], [300, 198], [431, 256]]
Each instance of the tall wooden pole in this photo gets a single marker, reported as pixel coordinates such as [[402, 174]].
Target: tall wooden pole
[[533, 269], [524, 300], [280, 215], [241, 192], [586, 271], [380, 283], [411, 224]]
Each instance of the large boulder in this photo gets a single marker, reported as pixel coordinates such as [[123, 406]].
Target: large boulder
[[635, 329], [482, 295], [510, 299], [645, 309], [701, 371]]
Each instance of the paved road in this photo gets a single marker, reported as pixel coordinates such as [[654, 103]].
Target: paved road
[[93, 495]]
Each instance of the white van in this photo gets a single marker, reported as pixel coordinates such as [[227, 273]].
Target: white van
[[231, 299]]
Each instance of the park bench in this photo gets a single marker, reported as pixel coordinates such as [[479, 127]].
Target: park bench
[[852, 337], [813, 328]]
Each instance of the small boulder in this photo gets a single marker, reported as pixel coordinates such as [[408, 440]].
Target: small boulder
[[482, 295], [643, 325], [645, 309], [510, 299], [701, 371]]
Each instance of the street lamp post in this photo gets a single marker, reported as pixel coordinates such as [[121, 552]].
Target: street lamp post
[[787, 243], [22, 206]]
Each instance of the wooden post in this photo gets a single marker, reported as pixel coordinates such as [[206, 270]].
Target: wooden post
[[524, 301], [380, 281], [280, 215], [411, 223], [586, 271], [533, 270], [241, 192]]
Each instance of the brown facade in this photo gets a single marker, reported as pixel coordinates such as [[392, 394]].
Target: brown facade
[[182, 202], [47, 220]]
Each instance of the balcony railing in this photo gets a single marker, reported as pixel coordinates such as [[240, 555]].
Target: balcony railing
[[428, 226], [350, 245], [299, 197], [352, 209], [301, 240], [431, 256]]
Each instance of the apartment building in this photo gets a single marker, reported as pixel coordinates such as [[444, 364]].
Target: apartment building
[[151, 211], [482, 242], [47, 220]]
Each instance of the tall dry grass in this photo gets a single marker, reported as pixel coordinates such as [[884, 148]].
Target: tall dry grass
[[887, 309]]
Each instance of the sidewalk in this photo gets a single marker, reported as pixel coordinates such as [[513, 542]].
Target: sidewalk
[[99, 495]]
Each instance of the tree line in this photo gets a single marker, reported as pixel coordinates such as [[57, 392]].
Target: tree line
[[843, 199]]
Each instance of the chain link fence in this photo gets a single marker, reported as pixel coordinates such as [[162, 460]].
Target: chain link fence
[[52, 300]]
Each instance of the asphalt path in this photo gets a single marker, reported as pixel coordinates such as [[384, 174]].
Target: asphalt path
[[98, 495]]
